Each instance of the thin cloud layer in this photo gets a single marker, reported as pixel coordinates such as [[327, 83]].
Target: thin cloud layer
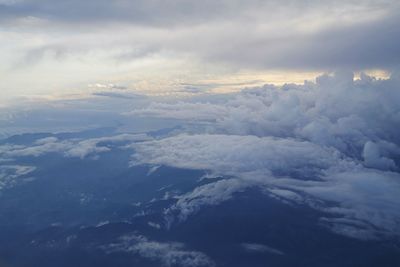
[[226, 154], [70, 148]]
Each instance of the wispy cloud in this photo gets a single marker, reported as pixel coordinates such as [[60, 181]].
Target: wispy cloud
[[167, 253], [70, 147]]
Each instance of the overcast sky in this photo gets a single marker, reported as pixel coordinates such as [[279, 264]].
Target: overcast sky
[[59, 47]]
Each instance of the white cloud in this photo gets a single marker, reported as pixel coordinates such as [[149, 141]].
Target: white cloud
[[363, 195], [168, 253], [228, 153], [91, 146], [332, 145], [283, 168], [206, 195], [71, 147], [260, 248], [10, 175], [335, 112], [42, 146]]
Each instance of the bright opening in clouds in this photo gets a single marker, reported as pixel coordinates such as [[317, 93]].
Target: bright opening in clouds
[[199, 133]]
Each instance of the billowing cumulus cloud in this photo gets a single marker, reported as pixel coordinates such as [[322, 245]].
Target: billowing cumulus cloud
[[334, 112], [335, 141]]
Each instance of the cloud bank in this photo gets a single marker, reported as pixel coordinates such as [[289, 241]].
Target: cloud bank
[[333, 141], [332, 145]]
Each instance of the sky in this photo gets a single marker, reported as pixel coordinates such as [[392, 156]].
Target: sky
[[72, 47]]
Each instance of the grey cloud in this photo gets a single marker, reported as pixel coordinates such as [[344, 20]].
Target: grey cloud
[[138, 11], [358, 46], [233, 32], [379, 155], [117, 95], [205, 87]]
